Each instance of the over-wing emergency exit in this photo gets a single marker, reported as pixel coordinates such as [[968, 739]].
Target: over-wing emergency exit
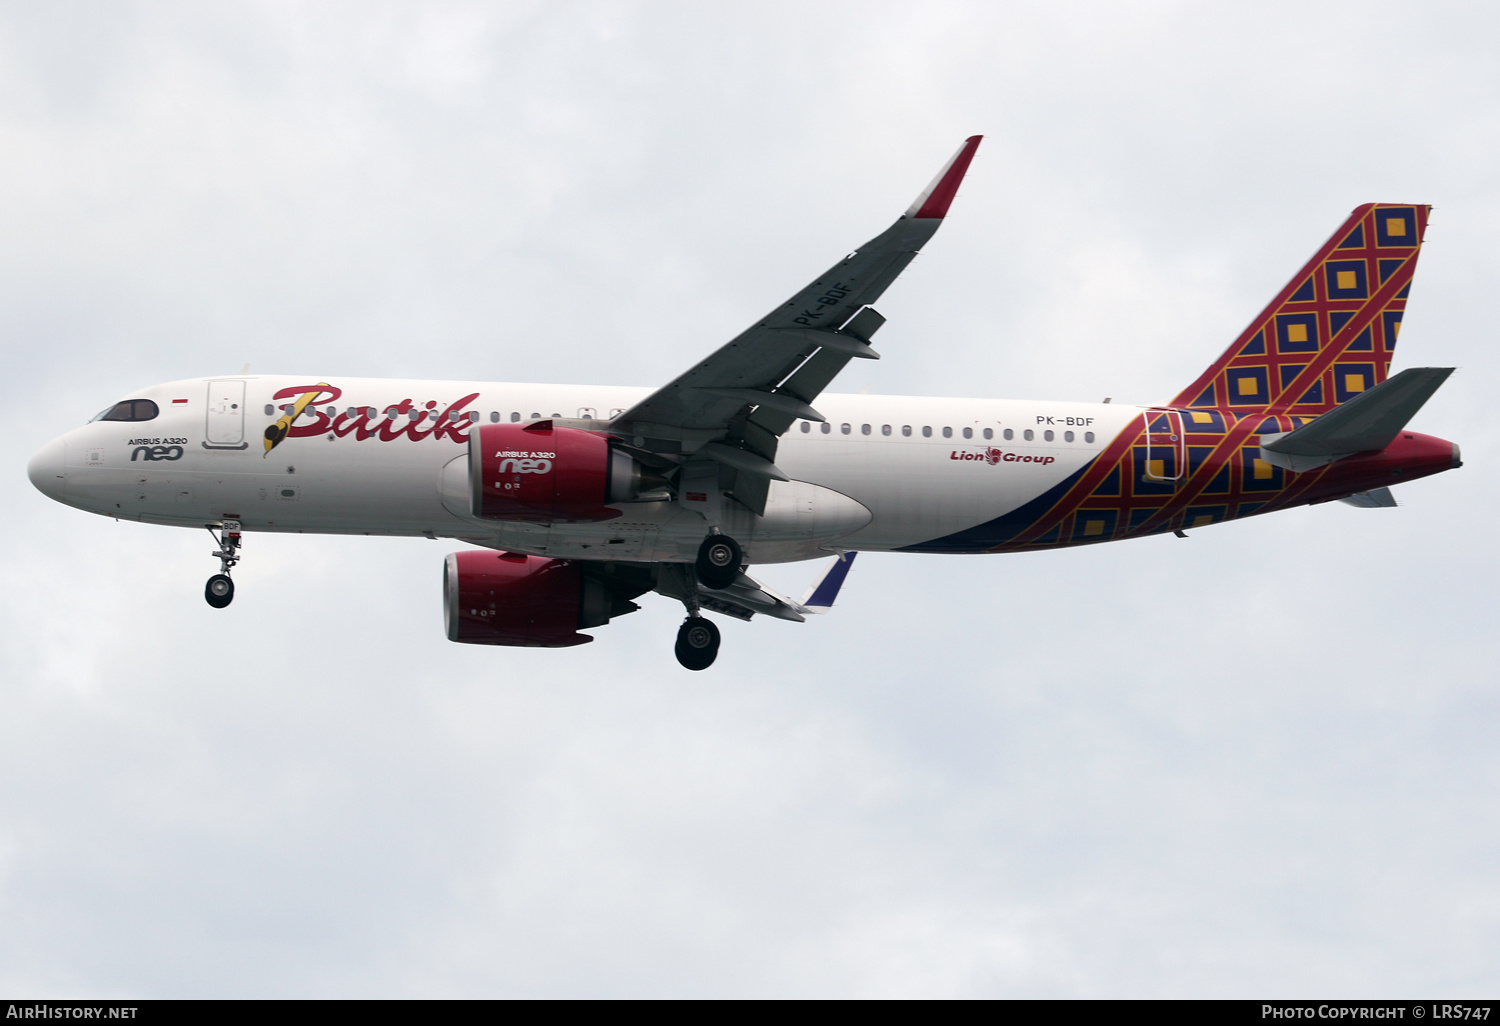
[[579, 499]]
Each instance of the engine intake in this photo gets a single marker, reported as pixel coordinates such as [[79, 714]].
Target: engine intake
[[543, 473], [504, 598]]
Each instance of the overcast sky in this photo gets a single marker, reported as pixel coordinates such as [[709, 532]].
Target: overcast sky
[[1260, 761]]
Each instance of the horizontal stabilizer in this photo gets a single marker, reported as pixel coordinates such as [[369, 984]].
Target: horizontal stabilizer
[[1370, 421], [821, 595], [1375, 498]]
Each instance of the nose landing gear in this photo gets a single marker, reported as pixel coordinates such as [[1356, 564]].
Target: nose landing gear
[[219, 591], [697, 643]]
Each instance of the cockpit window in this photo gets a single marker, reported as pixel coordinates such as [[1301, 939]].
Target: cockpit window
[[131, 409]]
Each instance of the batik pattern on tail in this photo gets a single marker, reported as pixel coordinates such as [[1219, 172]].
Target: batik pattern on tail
[[1326, 337], [1329, 334]]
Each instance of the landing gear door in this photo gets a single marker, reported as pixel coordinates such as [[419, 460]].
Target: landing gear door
[[226, 415]]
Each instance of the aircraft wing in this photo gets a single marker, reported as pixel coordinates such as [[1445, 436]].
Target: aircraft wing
[[745, 596], [733, 407]]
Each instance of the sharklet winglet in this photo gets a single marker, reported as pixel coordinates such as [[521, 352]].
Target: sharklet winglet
[[821, 595], [935, 200]]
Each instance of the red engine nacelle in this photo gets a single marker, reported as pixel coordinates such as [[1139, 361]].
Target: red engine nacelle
[[540, 472], [503, 598]]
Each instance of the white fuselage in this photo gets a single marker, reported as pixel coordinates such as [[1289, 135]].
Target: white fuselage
[[886, 472]]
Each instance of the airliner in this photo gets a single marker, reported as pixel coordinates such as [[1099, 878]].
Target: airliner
[[577, 499]]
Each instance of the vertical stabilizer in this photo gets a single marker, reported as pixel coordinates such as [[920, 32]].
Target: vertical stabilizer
[[1331, 332]]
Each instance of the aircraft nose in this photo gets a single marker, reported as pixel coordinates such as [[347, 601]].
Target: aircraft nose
[[48, 469]]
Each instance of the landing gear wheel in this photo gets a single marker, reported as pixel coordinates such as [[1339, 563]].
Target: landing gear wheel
[[697, 643], [219, 591], [719, 560]]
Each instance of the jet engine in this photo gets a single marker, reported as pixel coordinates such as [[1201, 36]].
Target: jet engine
[[544, 473], [504, 598]]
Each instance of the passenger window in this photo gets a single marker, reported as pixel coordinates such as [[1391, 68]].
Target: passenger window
[[968, 432], [864, 429], [844, 428], [905, 430], [947, 432], [270, 410], [885, 429], [473, 416], [827, 427], [1009, 434], [1048, 435], [988, 434], [536, 416], [806, 426], [926, 431], [515, 417], [1028, 434], [1067, 436], [1088, 436]]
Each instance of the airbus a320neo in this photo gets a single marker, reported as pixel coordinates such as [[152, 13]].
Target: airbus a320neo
[[578, 499]]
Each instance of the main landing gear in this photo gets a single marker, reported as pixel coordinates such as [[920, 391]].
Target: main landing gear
[[697, 643], [719, 560], [219, 591]]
